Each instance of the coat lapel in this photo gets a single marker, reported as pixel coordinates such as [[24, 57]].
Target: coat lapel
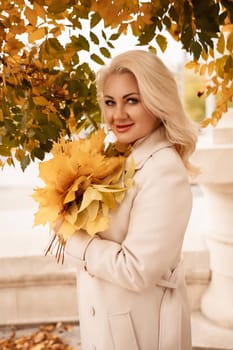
[[144, 148]]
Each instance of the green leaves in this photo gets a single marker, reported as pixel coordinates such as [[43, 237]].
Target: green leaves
[[97, 59], [94, 38], [95, 19], [105, 52], [147, 34], [80, 42], [162, 42]]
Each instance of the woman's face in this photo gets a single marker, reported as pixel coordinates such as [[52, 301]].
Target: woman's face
[[124, 111]]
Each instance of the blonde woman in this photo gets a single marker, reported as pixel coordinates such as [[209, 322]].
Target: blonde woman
[[131, 286]]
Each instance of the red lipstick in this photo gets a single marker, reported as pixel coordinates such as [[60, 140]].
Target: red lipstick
[[123, 127]]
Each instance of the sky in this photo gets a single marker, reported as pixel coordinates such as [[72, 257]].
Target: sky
[[173, 57]]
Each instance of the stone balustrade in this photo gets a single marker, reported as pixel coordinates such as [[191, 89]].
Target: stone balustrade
[[214, 155], [36, 289]]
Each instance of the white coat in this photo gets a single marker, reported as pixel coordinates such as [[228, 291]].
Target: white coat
[[131, 288]]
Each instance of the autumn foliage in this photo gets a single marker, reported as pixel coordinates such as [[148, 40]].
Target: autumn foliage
[[46, 337], [83, 181], [47, 87]]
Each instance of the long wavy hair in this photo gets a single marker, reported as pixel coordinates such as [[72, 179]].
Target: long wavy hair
[[159, 94]]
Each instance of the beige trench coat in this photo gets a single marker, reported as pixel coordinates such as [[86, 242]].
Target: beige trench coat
[[131, 288]]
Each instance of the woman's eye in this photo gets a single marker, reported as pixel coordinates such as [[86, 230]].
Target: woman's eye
[[109, 102], [132, 101]]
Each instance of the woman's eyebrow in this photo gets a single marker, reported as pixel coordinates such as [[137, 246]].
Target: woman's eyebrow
[[125, 96], [131, 93]]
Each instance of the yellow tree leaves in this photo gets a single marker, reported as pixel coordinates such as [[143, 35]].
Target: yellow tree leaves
[[47, 89], [229, 44], [162, 42], [114, 13], [13, 46], [221, 44], [36, 35], [31, 16], [218, 71]]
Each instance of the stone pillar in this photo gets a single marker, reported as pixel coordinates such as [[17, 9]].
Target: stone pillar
[[214, 155]]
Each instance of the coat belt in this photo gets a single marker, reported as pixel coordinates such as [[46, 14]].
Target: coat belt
[[171, 311]]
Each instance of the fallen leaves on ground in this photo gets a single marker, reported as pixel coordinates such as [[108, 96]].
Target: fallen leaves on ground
[[46, 338]]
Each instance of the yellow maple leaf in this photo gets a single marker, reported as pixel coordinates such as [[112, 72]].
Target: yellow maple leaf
[[66, 230], [71, 214], [93, 210], [80, 184], [81, 220], [46, 214], [91, 194], [109, 200], [98, 225]]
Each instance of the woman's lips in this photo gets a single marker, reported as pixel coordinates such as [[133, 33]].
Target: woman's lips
[[123, 127]]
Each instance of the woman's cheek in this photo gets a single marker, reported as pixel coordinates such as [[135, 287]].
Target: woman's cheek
[[108, 119]]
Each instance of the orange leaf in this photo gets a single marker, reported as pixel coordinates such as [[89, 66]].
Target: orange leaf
[[36, 35], [31, 16]]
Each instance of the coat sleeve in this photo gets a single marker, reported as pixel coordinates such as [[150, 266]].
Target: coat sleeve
[[157, 225]]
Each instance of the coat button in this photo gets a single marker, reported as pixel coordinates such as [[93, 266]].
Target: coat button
[[92, 311]]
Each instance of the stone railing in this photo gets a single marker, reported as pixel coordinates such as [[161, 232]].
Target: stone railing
[[37, 290], [214, 155]]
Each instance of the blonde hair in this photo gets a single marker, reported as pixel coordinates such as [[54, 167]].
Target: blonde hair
[[159, 93]]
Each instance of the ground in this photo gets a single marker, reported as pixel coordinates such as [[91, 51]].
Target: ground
[[41, 337]]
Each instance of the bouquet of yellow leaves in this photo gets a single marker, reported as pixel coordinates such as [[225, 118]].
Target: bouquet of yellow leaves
[[84, 179]]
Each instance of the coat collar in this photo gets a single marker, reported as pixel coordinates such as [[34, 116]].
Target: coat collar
[[144, 148]]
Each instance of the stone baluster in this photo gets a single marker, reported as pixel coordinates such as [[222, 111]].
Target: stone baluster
[[214, 155]]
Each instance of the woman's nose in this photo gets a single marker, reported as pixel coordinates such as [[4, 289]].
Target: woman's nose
[[120, 112]]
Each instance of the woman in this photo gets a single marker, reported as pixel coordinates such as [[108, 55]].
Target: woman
[[131, 284]]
